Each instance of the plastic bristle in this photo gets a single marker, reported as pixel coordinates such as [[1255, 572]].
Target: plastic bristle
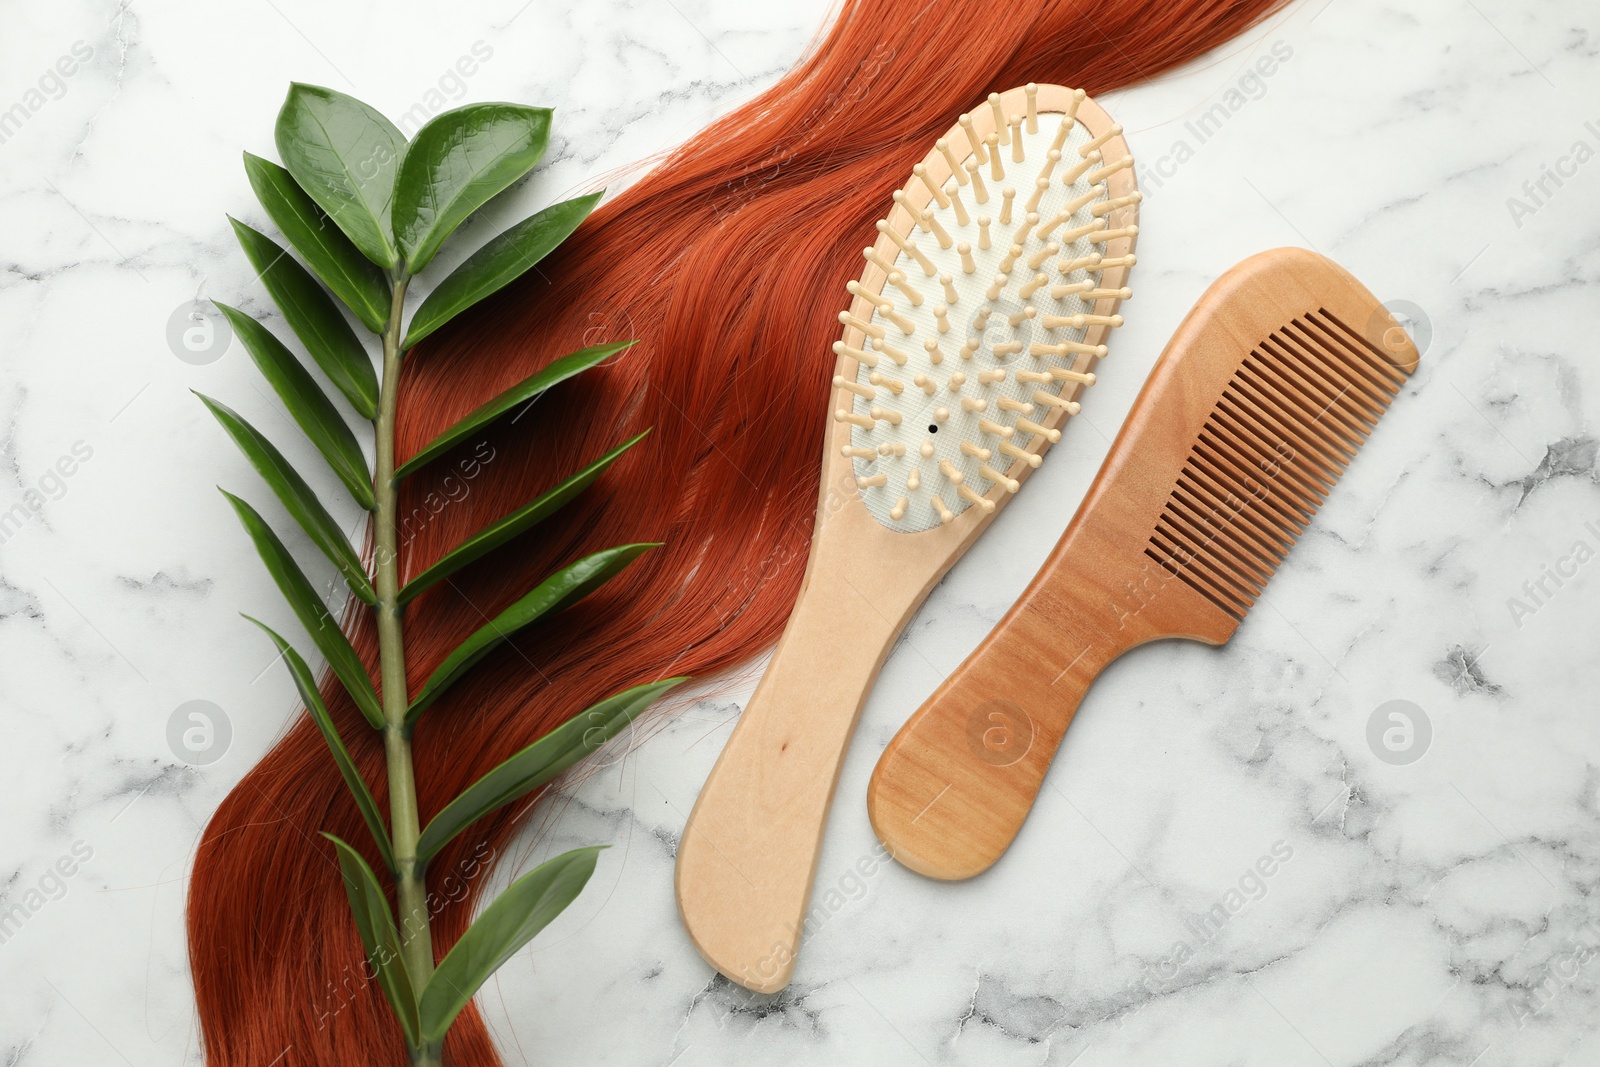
[[1299, 405]]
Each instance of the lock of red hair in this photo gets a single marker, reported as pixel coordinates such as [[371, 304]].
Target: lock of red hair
[[725, 261]]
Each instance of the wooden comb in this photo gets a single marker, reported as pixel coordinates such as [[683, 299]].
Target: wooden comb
[[1260, 400], [973, 331]]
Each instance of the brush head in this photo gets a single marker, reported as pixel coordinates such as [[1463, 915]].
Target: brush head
[[983, 307]]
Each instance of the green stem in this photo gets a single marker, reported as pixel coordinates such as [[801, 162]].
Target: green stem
[[416, 935]]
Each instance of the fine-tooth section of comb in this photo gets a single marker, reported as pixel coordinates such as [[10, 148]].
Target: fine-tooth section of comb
[[981, 311], [1249, 418], [1287, 423], [982, 308]]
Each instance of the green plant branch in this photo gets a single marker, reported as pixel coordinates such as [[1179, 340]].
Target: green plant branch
[[416, 934], [343, 165]]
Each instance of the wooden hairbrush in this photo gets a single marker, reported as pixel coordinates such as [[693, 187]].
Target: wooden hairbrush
[[1263, 395], [982, 308]]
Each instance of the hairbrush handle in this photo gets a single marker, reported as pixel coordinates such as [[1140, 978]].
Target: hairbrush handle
[[749, 850]]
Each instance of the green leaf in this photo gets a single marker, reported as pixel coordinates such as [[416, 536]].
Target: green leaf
[[297, 497], [458, 162], [307, 686], [499, 263], [345, 155], [311, 611], [565, 587], [307, 402], [526, 907], [332, 256], [378, 934], [314, 318], [555, 372], [524, 518], [539, 762]]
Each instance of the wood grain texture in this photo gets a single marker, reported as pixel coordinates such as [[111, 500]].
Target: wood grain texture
[[1261, 397], [748, 854]]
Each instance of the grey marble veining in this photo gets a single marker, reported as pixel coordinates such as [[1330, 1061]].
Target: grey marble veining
[[1432, 912]]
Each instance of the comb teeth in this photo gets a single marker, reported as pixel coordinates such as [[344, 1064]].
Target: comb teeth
[[1292, 416]]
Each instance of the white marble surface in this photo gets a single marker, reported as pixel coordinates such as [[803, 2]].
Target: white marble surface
[[1441, 912]]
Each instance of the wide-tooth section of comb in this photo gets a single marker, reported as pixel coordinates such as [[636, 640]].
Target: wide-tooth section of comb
[[974, 348], [1292, 416]]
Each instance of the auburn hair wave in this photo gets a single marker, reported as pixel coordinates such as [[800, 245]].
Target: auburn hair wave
[[727, 261]]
